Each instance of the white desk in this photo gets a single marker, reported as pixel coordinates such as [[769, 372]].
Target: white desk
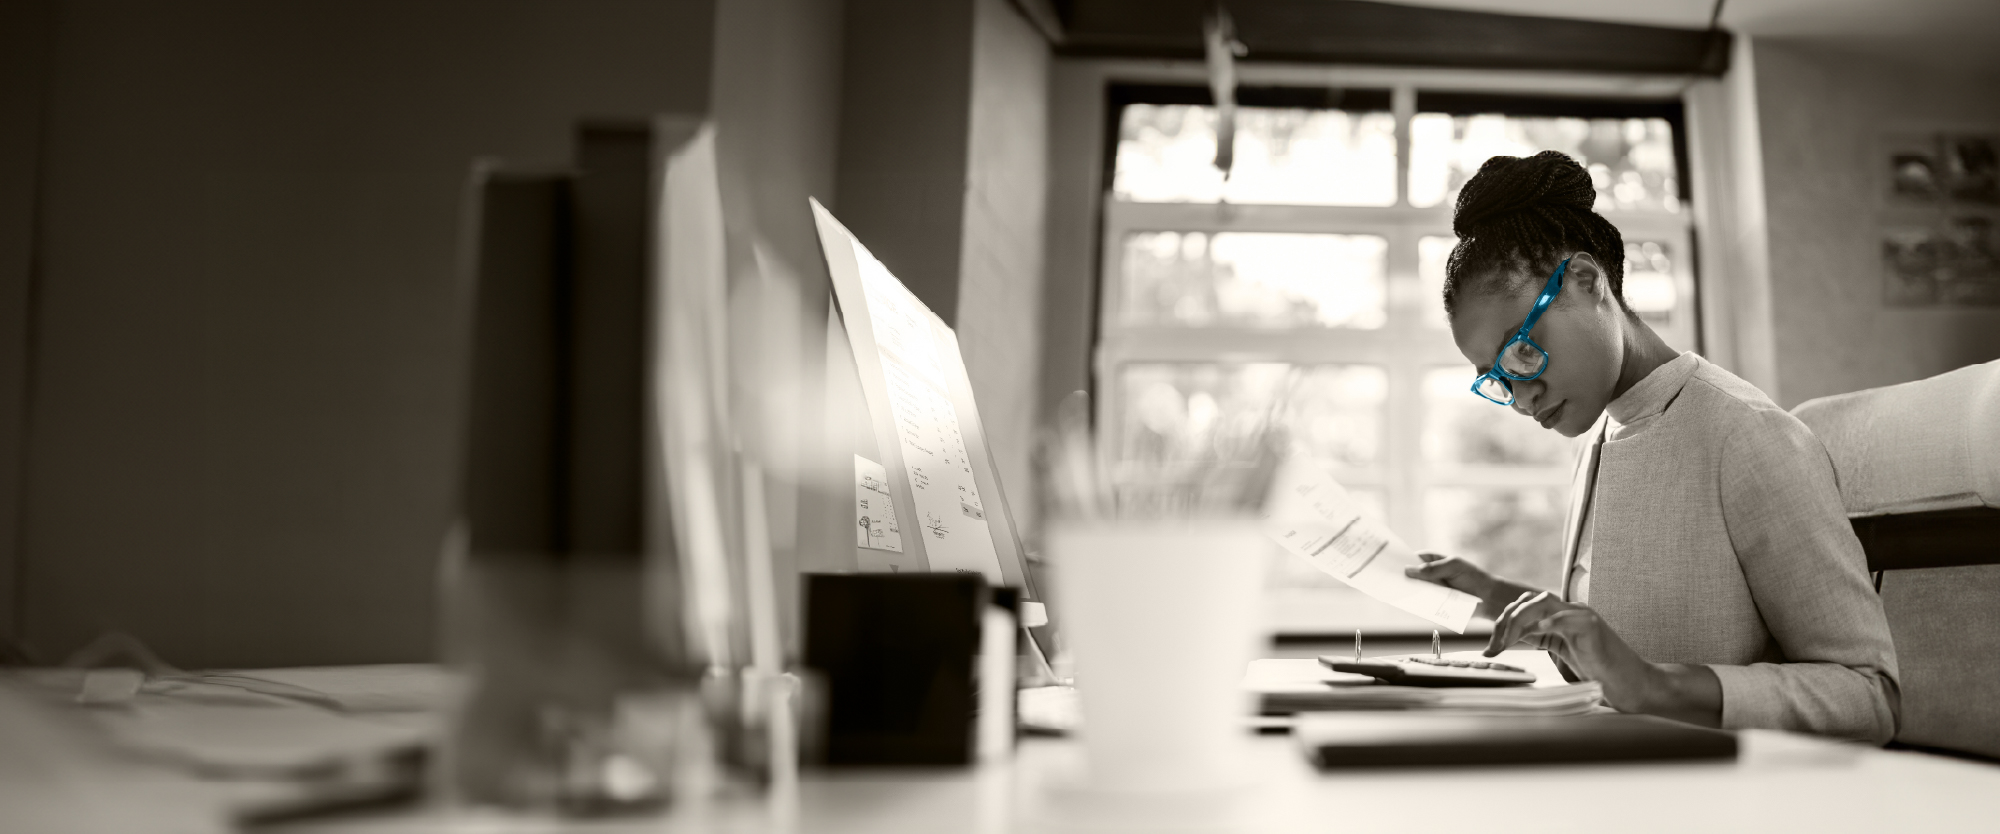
[[1782, 782]]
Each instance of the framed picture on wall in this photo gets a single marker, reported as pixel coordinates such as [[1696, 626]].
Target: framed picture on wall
[[1940, 218], [1956, 263], [1909, 267], [1951, 169], [1915, 173], [1971, 172]]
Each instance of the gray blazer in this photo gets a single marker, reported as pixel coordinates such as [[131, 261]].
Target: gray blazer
[[1719, 538]]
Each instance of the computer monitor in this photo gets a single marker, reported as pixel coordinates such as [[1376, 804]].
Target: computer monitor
[[929, 498]]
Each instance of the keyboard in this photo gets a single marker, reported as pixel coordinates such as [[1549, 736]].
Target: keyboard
[[1432, 671]]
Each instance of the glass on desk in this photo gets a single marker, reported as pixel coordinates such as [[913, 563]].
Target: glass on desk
[[552, 686], [573, 701]]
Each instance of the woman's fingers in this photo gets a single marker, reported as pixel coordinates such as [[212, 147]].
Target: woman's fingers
[[1430, 571], [1497, 642], [1567, 627], [1521, 619], [1425, 571], [1437, 568]]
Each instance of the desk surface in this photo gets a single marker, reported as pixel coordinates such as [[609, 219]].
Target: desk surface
[[1782, 782]]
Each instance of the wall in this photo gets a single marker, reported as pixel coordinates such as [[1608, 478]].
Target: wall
[[1076, 183], [25, 32], [1822, 111], [904, 126], [246, 401], [1725, 149], [1006, 214]]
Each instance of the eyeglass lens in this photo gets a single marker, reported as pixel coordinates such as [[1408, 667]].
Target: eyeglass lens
[[1523, 359], [1495, 390]]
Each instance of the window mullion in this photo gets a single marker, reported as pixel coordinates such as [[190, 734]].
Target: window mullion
[[1108, 401], [1403, 101], [1404, 441]]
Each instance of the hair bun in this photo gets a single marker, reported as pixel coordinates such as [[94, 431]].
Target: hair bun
[[1506, 185]]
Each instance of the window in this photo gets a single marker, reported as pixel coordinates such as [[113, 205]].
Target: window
[[1312, 276]]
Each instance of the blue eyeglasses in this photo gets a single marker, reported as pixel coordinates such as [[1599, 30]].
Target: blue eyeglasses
[[1520, 359]]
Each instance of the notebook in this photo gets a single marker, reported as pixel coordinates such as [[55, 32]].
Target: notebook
[[1355, 739]]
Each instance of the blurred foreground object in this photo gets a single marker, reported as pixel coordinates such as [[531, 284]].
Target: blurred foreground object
[[597, 596]]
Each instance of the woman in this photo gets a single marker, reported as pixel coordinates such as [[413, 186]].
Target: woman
[[1710, 574]]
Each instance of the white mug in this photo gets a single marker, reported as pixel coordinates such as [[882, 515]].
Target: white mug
[[1163, 616]]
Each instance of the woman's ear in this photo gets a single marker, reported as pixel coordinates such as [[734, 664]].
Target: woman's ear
[[1586, 275]]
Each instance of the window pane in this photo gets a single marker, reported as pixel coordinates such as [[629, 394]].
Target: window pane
[[1460, 429], [1630, 160], [1649, 280], [1253, 280], [1290, 570], [1514, 533], [1166, 153], [1180, 412], [1432, 252]]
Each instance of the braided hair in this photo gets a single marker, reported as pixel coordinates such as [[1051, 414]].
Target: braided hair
[[1517, 218]]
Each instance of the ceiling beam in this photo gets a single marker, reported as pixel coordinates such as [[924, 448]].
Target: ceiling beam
[[1364, 32]]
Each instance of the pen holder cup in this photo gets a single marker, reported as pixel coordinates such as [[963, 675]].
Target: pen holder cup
[[1163, 618]]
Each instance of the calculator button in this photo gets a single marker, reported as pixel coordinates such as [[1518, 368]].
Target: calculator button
[[1481, 664], [1459, 663]]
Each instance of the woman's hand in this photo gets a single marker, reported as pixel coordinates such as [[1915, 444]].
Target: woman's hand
[[1588, 644], [1460, 575], [1454, 573]]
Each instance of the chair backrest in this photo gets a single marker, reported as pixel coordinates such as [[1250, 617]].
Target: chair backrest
[[1933, 444], [1919, 471]]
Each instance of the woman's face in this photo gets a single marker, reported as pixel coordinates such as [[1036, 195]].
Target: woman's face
[[1580, 330]]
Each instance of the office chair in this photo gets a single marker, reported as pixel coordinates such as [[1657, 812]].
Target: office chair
[[1919, 471]]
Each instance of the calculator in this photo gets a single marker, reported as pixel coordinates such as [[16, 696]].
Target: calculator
[[1432, 671]]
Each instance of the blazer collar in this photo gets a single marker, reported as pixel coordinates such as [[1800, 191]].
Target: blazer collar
[[1582, 484], [1652, 394]]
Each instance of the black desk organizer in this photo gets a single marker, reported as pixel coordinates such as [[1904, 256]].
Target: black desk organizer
[[897, 656]]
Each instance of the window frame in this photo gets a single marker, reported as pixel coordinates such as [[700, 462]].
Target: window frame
[[1396, 347]]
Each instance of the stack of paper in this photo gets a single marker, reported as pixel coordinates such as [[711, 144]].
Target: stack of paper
[[1571, 699], [1286, 686]]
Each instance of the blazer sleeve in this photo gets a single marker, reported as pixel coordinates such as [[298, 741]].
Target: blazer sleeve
[[1809, 580]]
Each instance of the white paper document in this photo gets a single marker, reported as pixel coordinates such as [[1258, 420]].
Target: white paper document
[[948, 515], [874, 512], [1311, 515]]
